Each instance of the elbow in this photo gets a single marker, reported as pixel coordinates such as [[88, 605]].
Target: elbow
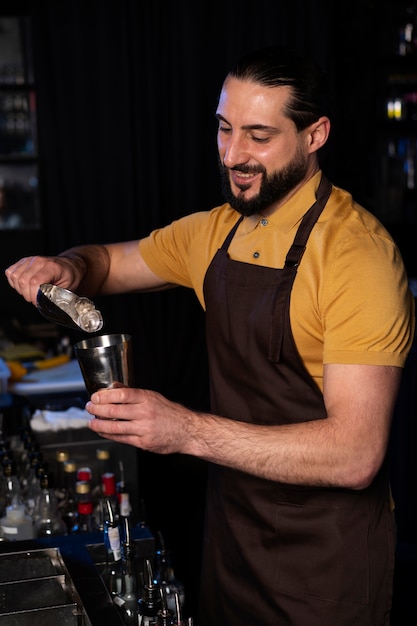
[[362, 473]]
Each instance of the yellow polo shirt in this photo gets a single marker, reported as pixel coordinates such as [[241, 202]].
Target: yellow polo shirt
[[350, 301]]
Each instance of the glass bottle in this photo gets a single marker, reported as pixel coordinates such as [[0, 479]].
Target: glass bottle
[[2, 492], [61, 457], [165, 576], [150, 601], [102, 467], [165, 616], [16, 525], [68, 503], [29, 443], [107, 492], [122, 492], [112, 541], [108, 486], [13, 489], [41, 469], [84, 474], [47, 518], [31, 490], [4, 458], [15, 522], [17, 443], [23, 468], [127, 599], [84, 521]]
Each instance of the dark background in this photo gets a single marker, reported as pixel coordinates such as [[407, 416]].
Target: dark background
[[126, 93]]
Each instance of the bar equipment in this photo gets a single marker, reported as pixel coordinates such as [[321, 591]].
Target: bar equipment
[[64, 307], [105, 361]]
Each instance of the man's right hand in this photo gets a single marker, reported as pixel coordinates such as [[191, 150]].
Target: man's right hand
[[30, 272]]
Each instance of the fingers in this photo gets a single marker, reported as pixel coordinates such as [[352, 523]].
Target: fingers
[[97, 425], [14, 275], [116, 403], [121, 430], [140, 417], [112, 427], [27, 274]]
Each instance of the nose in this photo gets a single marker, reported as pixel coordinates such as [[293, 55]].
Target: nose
[[233, 151]]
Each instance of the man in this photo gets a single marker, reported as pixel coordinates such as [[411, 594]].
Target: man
[[309, 323]]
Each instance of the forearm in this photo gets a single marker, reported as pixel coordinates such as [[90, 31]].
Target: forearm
[[92, 264], [345, 449], [307, 453]]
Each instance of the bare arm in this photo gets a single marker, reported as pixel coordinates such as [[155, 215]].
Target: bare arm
[[87, 270], [344, 450]]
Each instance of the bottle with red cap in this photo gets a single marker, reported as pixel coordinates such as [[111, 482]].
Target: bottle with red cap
[[84, 474], [108, 486], [84, 522], [107, 493]]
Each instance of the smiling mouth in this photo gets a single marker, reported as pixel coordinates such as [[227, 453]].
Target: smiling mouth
[[243, 180]]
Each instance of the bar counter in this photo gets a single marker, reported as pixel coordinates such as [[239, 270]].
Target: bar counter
[[56, 580]]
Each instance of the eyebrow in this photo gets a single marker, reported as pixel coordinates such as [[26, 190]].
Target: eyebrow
[[263, 127]]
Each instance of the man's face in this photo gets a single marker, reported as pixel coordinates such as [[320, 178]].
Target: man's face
[[262, 155]]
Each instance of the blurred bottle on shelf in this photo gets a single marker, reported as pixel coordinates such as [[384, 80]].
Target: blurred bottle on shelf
[[112, 541], [407, 33], [165, 576], [84, 522], [61, 457], [15, 522], [12, 487], [84, 474], [47, 518], [31, 488], [127, 599], [102, 466], [122, 492], [68, 502], [149, 603], [107, 494], [165, 616]]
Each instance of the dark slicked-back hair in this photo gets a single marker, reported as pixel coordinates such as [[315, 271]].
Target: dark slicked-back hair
[[278, 66]]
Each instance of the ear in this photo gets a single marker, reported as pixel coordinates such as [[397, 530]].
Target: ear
[[319, 133]]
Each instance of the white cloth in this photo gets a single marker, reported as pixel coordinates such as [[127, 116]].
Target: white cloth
[[59, 420]]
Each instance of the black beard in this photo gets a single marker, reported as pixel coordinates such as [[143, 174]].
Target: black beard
[[273, 188]]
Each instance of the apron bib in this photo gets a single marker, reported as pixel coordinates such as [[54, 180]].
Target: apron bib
[[278, 554]]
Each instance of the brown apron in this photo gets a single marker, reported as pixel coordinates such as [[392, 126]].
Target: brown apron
[[280, 554]]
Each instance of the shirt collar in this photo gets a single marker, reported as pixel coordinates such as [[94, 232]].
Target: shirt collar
[[290, 213]]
